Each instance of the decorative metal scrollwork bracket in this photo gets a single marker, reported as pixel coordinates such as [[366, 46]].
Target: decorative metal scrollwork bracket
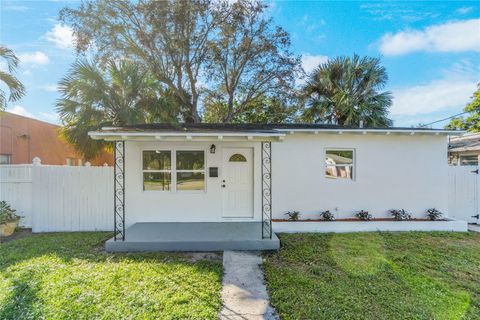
[[266, 189], [119, 191]]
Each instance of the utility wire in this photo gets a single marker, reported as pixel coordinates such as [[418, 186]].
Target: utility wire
[[451, 117]]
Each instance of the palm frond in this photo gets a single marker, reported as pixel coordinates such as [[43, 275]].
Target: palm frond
[[17, 89], [345, 90], [9, 56], [119, 94]]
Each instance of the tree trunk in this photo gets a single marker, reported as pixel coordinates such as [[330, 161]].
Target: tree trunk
[[229, 117], [194, 109]]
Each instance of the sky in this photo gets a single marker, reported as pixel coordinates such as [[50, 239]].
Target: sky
[[431, 49]]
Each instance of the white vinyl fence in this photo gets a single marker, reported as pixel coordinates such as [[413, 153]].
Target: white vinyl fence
[[59, 198], [464, 195], [16, 189], [63, 198]]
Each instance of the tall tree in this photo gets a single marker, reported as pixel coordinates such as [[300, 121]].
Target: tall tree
[[169, 37], [250, 58], [16, 88], [191, 46], [346, 91], [264, 109], [124, 94], [472, 121]]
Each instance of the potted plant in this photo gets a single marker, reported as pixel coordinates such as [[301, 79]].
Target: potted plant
[[8, 219]]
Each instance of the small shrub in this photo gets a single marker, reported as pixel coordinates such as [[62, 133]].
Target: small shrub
[[363, 215], [400, 214], [433, 214], [293, 215], [7, 214], [327, 215]]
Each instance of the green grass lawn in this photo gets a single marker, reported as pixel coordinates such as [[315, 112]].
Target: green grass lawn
[[376, 276], [68, 276]]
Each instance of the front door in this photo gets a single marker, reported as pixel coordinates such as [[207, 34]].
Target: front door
[[237, 183]]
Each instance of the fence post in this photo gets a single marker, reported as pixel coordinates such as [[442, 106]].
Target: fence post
[[37, 161]]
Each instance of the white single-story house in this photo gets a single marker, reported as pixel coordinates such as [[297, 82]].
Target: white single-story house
[[215, 186]]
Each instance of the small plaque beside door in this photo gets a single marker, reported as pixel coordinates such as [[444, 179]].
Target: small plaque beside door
[[213, 172]]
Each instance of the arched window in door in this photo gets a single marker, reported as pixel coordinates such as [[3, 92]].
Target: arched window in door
[[237, 157]]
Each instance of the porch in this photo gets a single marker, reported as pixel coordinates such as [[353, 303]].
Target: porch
[[193, 236]]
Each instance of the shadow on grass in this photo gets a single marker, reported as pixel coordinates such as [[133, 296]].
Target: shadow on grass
[[65, 246], [18, 304], [69, 274], [371, 276], [359, 254], [364, 254]]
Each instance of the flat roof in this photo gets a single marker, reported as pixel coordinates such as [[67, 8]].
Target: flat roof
[[250, 130]]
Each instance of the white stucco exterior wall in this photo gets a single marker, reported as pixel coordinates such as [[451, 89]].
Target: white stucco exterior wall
[[396, 171], [183, 206], [391, 172]]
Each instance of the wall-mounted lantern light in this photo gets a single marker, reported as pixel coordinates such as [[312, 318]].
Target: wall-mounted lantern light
[[212, 148]]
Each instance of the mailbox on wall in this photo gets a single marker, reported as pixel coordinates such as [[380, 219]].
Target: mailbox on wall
[[213, 172]]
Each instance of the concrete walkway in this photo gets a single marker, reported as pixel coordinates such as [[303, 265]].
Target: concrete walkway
[[244, 294]]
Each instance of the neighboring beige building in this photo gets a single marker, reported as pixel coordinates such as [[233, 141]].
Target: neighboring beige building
[[465, 150], [23, 138]]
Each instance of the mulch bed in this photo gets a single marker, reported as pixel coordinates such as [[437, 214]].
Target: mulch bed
[[351, 220], [18, 234]]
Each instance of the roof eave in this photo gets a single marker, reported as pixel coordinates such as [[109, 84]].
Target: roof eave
[[179, 136], [381, 131]]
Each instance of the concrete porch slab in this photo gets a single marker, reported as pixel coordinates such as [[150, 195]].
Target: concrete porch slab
[[193, 236]]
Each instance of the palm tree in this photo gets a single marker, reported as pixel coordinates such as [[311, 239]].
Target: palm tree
[[123, 94], [16, 88], [346, 91]]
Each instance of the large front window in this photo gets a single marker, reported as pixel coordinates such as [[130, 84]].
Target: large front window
[[190, 170], [157, 170], [186, 172], [339, 164]]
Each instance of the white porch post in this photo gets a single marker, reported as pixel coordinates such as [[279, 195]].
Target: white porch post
[[119, 191], [266, 190]]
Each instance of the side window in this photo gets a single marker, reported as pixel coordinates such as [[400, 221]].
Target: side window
[[339, 164], [190, 170], [469, 160], [157, 170], [5, 158]]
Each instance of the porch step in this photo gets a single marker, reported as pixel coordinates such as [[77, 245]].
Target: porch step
[[244, 245], [203, 236]]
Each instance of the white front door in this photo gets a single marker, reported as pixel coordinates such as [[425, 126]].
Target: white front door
[[237, 182]]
